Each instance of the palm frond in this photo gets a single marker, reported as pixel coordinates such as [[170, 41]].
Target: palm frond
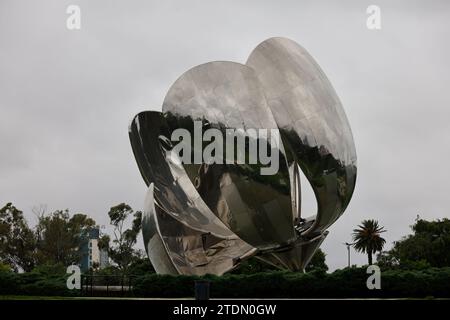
[[367, 237]]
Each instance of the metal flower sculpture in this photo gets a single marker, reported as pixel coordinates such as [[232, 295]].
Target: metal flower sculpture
[[207, 217]]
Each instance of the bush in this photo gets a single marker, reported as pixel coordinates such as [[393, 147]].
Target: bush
[[4, 268], [8, 282], [164, 286], [42, 281], [345, 283]]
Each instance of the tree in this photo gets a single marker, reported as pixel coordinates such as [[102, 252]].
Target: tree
[[317, 262], [253, 265], [121, 249], [141, 265], [367, 238], [429, 245], [59, 237], [17, 240]]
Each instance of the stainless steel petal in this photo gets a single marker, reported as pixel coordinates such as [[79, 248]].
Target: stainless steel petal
[[226, 95], [154, 244], [315, 130], [181, 234], [296, 258], [174, 248]]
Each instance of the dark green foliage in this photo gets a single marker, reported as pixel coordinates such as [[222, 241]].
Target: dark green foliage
[[428, 245], [253, 265], [42, 281], [140, 266], [346, 283], [155, 285], [120, 249], [112, 275], [367, 238], [59, 236], [8, 282], [17, 240], [55, 239], [317, 262]]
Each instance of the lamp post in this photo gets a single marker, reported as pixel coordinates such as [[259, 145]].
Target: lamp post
[[348, 251]]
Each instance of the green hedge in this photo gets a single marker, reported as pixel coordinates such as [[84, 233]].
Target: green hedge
[[44, 281], [346, 283]]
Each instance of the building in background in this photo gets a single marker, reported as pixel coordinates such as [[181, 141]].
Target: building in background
[[91, 255]]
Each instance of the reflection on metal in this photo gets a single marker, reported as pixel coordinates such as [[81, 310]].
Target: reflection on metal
[[206, 218]]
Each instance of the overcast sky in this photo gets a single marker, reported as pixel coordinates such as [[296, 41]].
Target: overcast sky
[[66, 97]]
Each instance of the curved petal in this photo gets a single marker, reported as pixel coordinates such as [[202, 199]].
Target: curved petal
[[312, 122], [227, 95], [181, 234]]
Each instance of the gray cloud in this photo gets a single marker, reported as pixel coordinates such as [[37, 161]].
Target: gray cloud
[[66, 97]]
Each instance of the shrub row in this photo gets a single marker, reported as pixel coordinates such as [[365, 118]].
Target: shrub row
[[35, 283], [346, 283]]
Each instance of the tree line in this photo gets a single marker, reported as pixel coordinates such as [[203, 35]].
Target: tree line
[[55, 240]]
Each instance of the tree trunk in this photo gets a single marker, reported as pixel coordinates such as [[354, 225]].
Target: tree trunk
[[369, 255]]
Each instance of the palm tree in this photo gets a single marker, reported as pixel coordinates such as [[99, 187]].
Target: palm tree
[[367, 238]]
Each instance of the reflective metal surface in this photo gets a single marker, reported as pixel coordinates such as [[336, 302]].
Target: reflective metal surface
[[312, 122], [181, 234], [206, 218], [227, 95]]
